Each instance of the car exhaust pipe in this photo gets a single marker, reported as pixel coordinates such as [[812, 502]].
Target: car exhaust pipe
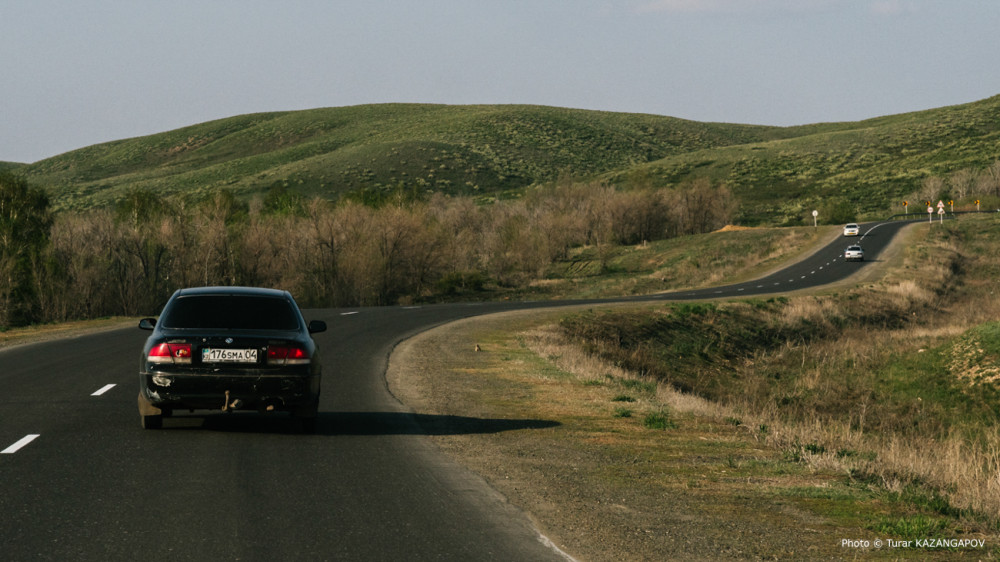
[[267, 406]]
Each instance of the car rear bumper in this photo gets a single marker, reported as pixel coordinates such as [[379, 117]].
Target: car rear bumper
[[212, 391]]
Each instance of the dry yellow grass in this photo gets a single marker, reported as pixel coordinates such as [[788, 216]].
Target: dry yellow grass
[[969, 472], [547, 342], [966, 471], [45, 332]]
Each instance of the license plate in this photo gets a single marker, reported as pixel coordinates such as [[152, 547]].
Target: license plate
[[214, 355]]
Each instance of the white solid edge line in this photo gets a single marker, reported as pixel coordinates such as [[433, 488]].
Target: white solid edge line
[[348, 313], [552, 546], [21, 443], [103, 389]]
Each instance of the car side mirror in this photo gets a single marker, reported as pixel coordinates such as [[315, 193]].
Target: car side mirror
[[317, 326], [147, 323]]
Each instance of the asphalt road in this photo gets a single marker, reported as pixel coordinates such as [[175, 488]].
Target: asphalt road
[[80, 480]]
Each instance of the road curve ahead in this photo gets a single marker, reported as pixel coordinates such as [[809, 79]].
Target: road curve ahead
[[823, 267], [80, 480]]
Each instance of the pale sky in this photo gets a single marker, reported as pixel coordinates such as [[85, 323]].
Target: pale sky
[[79, 72]]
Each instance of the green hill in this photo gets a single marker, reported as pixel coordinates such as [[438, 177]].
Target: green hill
[[872, 165], [500, 150], [451, 149]]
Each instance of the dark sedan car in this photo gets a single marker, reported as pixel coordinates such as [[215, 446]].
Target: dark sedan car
[[227, 349]]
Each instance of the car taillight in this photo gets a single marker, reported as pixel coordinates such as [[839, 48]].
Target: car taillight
[[170, 353], [285, 355]]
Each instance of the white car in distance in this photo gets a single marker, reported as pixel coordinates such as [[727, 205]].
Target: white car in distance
[[854, 253]]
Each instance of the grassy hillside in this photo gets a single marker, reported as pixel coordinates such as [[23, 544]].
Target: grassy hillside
[[328, 152], [779, 174], [872, 165]]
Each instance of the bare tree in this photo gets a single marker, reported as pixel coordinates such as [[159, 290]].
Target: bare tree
[[702, 207], [931, 188], [992, 173], [80, 244], [961, 182]]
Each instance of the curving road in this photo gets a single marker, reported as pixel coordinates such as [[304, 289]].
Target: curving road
[[79, 479]]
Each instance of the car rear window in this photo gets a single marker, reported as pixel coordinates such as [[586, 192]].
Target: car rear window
[[230, 312]]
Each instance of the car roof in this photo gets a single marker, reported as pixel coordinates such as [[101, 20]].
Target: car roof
[[233, 291]]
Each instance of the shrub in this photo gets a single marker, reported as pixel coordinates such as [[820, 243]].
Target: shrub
[[658, 420]]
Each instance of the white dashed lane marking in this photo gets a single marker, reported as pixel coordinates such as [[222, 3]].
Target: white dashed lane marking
[[19, 444], [103, 389]]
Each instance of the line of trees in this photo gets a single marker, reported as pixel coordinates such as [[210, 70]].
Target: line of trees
[[964, 183], [129, 259], [24, 227]]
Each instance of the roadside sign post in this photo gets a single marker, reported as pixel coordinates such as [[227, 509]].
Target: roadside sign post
[[906, 208], [977, 204], [941, 214], [930, 214], [815, 214]]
